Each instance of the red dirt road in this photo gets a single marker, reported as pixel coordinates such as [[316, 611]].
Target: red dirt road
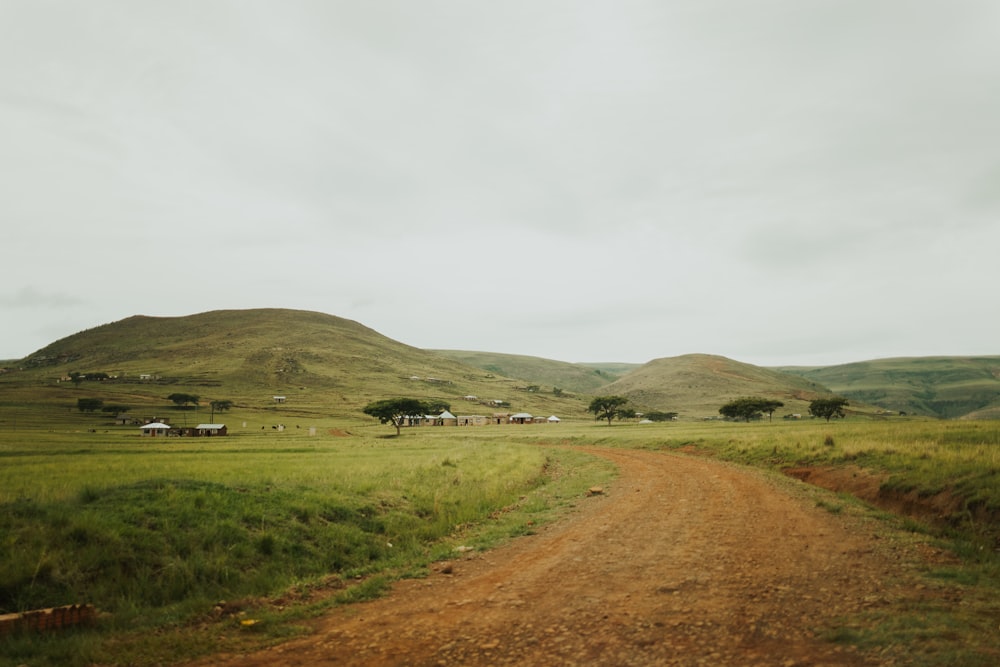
[[684, 561]]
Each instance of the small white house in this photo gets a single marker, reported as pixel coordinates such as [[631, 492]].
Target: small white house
[[154, 428]]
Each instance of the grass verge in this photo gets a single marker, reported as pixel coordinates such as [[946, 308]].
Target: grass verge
[[181, 544]]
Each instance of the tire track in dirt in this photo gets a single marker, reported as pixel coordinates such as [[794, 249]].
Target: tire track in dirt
[[685, 561]]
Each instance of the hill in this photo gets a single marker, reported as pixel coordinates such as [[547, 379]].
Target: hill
[[696, 385], [579, 378], [323, 364], [946, 387]]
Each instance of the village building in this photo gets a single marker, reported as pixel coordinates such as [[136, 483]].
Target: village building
[[446, 419], [210, 429], [153, 429], [473, 420], [125, 419]]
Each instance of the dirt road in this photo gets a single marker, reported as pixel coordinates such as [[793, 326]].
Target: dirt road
[[684, 561]]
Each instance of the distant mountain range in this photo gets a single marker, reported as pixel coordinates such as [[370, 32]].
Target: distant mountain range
[[329, 363]]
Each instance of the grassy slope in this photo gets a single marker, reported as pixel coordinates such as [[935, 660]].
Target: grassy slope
[[696, 385], [946, 387], [323, 364], [580, 378]]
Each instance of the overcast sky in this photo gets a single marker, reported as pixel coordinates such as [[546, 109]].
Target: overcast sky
[[777, 181]]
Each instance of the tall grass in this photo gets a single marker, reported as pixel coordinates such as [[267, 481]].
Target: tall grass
[[154, 530]]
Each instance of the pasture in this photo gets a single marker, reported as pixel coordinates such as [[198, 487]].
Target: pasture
[[158, 531]]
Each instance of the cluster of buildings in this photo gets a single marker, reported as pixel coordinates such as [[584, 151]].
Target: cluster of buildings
[[448, 419], [155, 428]]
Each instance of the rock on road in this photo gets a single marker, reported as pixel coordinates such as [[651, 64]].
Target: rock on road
[[685, 561]]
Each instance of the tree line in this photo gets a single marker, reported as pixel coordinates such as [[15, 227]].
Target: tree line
[[746, 408]]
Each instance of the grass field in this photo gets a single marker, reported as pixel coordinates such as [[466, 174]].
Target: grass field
[[157, 531]]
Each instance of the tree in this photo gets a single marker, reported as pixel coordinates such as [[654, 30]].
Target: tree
[[182, 400], [769, 405], [658, 416], [221, 406], [76, 377], [88, 404], [394, 410], [828, 408], [607, 407], [749, 407], [437, 406]]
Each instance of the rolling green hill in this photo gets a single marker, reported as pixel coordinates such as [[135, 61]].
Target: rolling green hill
[[696, 385], [947, 387], [579, 378], [323, 364], [326, 365]]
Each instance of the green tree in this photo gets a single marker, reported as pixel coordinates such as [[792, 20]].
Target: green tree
[[88, 404], [181, 400], [220, 405], [828, 408], [394, 410], [607, 407], [769, 405], [76, 377], [749, 407], [658, 416], [437, 406]]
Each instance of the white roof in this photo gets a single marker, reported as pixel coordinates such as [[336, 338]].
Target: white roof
[[156, 425], [211, 426], [553, 418], [446, 415], [521, 415]]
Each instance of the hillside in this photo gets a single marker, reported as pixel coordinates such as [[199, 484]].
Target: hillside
[[321, 363], [331, 366], [946, 387], [577, 378], [696, 385]]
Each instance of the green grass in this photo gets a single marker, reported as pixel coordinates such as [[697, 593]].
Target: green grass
[[577, 378], [155, 531]]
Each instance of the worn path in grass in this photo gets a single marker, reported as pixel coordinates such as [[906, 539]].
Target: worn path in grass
[[682, 561]]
